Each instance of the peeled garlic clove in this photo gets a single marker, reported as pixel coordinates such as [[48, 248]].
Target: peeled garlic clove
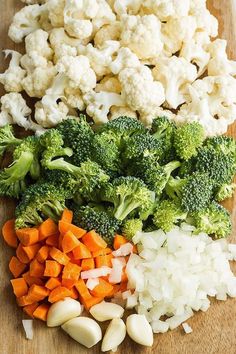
[[63, 311], [114, 336], [139, 330], [84, 330], [106, 311]]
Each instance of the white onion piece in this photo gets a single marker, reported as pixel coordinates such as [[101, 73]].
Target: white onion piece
[[28, 328], [95, 273], [92, 283], [187, 328], [124, 250], [116, 272]]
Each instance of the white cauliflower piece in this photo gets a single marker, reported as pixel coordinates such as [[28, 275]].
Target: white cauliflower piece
[[62, 44], [206, 22], [33, 60], [25, 21], [147, 118], [116, 112], [13, 76], [141, 93], [219, 63], [130, 7], [165, 9], [104, 15], [109, 84], [5, 119], [79, 72], [100, 59], [15, 106], [107, 32], [38, 42], [124, 59], [142, 35], [100, 103], [55, 12], [174, 73], [74, 98]]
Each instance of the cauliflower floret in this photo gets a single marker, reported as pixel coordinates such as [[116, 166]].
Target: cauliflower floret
[[38, 42], [74, 98], [147, 118], [5, 119], [142, 35], [174, 73], [139, 90], [79, 72], [109, 84], [99, 104], [55, 12], [26, 21], [124, 59], [13, 76], [116, 112], [165, 9], [108, 32], [205, 21], [130, 7], [219, 63], [33, 60], [104, 15]]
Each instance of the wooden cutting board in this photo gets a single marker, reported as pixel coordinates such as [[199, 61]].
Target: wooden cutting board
[[214, 332]]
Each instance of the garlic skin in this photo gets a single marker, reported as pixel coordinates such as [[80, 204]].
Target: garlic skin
[[105, 311], [114, 335], [62, 311], [139, 330]]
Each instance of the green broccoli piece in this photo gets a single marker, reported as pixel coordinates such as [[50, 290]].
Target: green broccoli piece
[[7, 139], [225, 191], [142, 145], [40, 201], [25, 161], [95, 218], [214, 220], [168, 214], [193, 193], [188, 139], [129, 194], [223, 144], [130, 227], [187, 168]]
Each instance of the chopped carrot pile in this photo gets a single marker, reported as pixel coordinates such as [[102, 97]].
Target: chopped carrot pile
[[54, 261]]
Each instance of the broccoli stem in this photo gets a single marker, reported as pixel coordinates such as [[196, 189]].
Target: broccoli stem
[[125, 208], [21, 166]]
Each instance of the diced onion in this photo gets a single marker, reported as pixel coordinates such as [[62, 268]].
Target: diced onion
[[187, 328], [28, 327], [92, 283], [124, 250], [96, 273]]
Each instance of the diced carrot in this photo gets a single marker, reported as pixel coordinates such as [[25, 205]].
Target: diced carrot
[[52, 268], [43, 253], [71, 271], [67, 216], [24, 300], [124, 277], [93, 241], [68, 283], [36, 269], [60, 241], [29, 309], [74, 293], [69, 242], [72, 259], [32, 280], [59, 256], [82, 290], [20, 287], [102, 289], [16, 267], [119, 241], [9, 233], [37, 292], [31, 251], [28, 236], [81, 252], [104, 261], [66, 226], [87, 264], [52, 240], [21, 255], [47, 228], [116, 288], [58, 294], [52, 283], [102, 252], [41, 312], [92, 301]]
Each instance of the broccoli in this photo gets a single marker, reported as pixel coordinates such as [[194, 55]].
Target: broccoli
[[40, 201], [129, 194], [223, 144], [143, 145], [95, 218], [187, 139], [130, 227], [225, 191], [187, 168], [168, 214], [7, 139], [193, 193], [25, 161], [214, 220]]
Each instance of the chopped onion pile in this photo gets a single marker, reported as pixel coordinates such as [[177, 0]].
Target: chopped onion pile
[[28, 327], [174, 274]]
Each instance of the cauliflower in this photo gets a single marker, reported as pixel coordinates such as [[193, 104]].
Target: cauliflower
[[100, 103], [116, 112], [74, 98], [25, 21], [139, 90], [55, 12], [174, 73], [107, 32], [147, 118], [124, 59], [104, 15], [38, 42], [13, 76], [5, 119], [62, 44], [79, 72], [205, 21], [219, 63], [142, 35], [130, 7], [109, 84], [166, 9]]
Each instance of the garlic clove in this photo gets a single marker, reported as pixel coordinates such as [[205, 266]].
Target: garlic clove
[[63, 311], [139, 330], [114, 335], [106, 311]]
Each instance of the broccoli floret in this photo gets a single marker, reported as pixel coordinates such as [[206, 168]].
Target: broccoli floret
[[225, 191], [214, 220], [129, 194], [223, 144], [188, 139], [187, 168], [40, 201], [25, 161], [168, 214], [94, 218], [62, 179], [7, 139], [193, 193], [131, 227], [142, 145]]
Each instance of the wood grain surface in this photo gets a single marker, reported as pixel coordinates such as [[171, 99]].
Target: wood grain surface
[[214, 332]]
